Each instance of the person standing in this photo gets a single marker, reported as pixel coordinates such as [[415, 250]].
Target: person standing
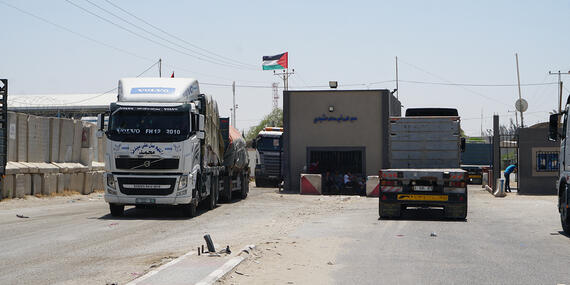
[[510, 169]]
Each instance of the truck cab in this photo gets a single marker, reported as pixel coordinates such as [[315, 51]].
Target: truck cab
[[558, 131], [269, 146], [162, 146]]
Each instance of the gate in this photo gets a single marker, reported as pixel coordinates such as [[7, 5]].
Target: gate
[[509, 154]]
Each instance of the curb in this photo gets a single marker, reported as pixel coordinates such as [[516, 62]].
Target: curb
[[227, 267], [211, 278]]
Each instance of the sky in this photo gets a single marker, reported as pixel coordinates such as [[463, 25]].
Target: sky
[[60, 47]]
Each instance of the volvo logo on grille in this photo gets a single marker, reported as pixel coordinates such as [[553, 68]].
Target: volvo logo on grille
[[146, 163]]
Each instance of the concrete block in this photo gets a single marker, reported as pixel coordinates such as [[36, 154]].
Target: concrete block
[[44, 167], [311, 184], [49, 184], [12, 136], [373, 186], [7, 186], [12, 168], [31, 167], [88, 183], [60, 182], [77, 181], [38, 139], [23, 185], [37, 184], [22, 135], [86, 157], [66, 181], [54, 126], [67, 129], [77, 138], [101, 148], [98, 181]]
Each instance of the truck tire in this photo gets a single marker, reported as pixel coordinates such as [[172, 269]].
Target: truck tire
[[384, 215], [244, 186], [226, 195], [213, 197], [259, 183], [564, 219], [116, 209], [189, 210]]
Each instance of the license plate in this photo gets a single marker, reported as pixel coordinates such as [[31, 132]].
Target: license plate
[[422, 188], [422, 197], [145, 201]]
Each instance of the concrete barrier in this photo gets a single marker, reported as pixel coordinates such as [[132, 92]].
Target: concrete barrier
[[77, 182], [22, 185], [54, 126], [98, 181], [38, 139], [12, 136], [60, 182], [37, 184], [49, 184], [77, 137], [22, 134], [7, 186], [500, 188], [373, 186], [311, 184], [67, 129]]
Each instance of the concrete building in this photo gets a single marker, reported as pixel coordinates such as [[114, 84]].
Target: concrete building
[[336, 130], [538, 161]]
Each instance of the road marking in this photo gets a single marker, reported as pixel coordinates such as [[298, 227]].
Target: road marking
[[227, 267], [162, 267]]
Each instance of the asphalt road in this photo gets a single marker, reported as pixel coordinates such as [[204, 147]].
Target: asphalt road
[[512, 240], [71, 241]]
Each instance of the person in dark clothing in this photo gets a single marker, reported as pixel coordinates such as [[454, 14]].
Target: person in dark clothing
[[510, 169]]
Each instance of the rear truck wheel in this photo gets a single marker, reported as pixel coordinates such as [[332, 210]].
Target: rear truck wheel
[[227, 193], [259, 182], [213, 193], [244, 186], [564, 219], [189, 210], [456, 211], [116, 209]]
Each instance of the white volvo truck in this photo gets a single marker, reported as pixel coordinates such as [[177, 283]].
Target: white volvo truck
[[563, 163], [163, 145]]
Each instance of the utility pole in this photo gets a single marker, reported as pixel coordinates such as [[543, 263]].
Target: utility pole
[[519, 83], [160, 67], [275, 96], [397, 89], [234, 105], [285, 76], [559, 87]]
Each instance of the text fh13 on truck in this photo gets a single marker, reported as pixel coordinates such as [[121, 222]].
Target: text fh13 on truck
[[164, 147], [564, 164]]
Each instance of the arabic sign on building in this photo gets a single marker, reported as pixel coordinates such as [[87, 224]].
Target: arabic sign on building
[[339, 119]]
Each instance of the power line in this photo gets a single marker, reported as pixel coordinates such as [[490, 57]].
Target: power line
[[477, 85], [178, 38], [144, 37], [163, 38]]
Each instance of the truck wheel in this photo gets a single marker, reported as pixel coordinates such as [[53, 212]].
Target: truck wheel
[[564, 219], [227, 194], [244, 186], [116, 210], [189, 210], [394, 211], [259, 183], [212, 198]]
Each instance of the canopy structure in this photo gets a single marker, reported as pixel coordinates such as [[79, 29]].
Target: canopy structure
[[62, 105]]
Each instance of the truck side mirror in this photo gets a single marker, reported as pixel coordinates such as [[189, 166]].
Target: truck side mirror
[[100, 125], [463, 144], [201, 122], [553, 127]]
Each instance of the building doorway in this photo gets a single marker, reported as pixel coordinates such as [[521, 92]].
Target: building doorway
[[333, 163]]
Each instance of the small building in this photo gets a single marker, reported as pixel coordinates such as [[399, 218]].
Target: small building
[[336, 130], [538, 162]]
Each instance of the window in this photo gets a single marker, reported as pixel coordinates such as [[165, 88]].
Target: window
[[547, 161]]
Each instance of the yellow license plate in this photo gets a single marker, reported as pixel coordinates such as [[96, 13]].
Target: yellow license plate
[[474, 176], [422, 197]]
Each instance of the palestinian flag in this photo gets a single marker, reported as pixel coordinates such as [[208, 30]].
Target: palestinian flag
[[275, 61]]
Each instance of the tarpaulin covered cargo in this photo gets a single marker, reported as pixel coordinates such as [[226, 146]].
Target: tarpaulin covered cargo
[[235, 154]]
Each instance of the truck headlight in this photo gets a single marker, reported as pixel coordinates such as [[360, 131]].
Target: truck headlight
[[183, 183], [110, 181]]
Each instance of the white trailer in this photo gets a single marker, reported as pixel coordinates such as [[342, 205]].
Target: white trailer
[[163, 145], [563, 163]]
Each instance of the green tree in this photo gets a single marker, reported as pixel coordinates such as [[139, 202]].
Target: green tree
[[273, 119]]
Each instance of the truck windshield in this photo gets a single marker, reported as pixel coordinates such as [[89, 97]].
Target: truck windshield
[[149, 124], [269, 143]]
